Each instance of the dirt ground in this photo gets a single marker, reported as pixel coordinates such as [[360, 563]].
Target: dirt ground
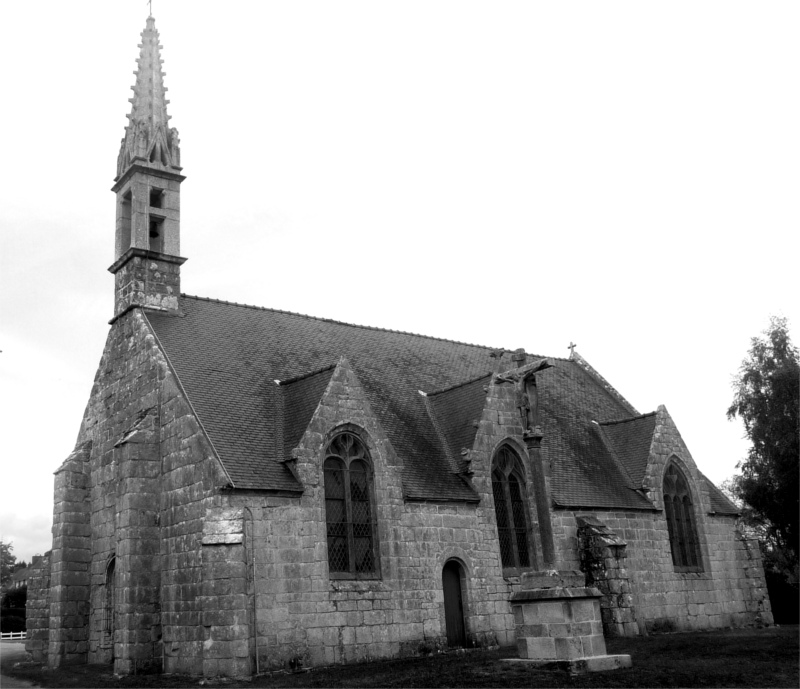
[[732, 658]]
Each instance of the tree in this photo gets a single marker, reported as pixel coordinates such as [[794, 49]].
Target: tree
[[767, 399], [15, 599], [7, 561]]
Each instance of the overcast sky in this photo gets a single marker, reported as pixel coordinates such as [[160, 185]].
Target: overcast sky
[[622, 175]]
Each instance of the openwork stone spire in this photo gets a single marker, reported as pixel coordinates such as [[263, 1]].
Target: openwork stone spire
[[148, 138], [147, 256]]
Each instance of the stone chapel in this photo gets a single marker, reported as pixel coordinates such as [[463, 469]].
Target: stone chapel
[[254, 489]]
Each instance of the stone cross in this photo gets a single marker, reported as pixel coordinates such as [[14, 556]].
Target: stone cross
[[571, 348], [529, 407], [527, 397]]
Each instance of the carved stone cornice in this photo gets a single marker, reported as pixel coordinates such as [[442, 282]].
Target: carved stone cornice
[[144, 253]]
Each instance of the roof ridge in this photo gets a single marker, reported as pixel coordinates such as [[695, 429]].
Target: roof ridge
[[554, 358], [331, 320], [537, 357], [458, 385], [627, 419], [302, 376]]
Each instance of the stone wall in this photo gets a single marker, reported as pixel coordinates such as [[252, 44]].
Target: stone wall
[[501, 423], [70, 560], [191, 475], [122, 420], [604, 561], [730, 591], [227, 625], [107, 510], [145, 480], [148, 279], [304, 616], [37, 609]]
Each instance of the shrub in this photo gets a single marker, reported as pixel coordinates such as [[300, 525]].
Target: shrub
[[12, 623]]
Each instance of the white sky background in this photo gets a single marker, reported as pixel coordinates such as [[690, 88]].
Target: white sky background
[[620, 174]]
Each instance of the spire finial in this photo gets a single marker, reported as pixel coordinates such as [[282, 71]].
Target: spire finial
[[150, 5], [148, 137]]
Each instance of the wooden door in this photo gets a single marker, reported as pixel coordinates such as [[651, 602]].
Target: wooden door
[[453, 605]]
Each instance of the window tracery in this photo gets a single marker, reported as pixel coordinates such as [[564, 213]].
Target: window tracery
[[510, 497], [679, 512], [349, 512]]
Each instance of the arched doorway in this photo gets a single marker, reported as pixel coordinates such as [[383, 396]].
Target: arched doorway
[[453, 605]]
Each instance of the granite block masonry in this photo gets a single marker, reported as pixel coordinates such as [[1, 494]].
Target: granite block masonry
[[604, 562], [557, 622]]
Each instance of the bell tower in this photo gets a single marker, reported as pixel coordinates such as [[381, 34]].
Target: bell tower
[[147, 257]]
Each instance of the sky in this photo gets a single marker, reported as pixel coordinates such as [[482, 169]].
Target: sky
[[622, 175]]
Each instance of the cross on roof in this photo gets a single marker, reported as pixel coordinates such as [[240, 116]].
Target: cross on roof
[[571, 347]]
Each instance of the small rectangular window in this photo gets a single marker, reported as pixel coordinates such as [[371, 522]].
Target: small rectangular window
[[124, 223], [156, 234], [156, 198]]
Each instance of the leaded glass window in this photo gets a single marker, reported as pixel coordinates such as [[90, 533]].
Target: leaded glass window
[[679, 512], [349, 512], [513, 531]]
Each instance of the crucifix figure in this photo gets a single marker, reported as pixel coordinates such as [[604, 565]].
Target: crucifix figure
[[528, 402], [526, 395]]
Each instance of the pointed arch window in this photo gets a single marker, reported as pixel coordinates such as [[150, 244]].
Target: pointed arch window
[[109, 602], [681, 523], [511, 511], [350, 509]]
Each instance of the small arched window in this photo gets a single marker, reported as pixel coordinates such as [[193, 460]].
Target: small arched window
[[109, 602], [349, 509], [510, 498], [679, 512]]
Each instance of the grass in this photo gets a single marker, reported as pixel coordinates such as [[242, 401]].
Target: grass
[[732, 658]]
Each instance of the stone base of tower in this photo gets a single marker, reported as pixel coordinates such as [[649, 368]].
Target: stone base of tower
[[147, 278], [558, 624]]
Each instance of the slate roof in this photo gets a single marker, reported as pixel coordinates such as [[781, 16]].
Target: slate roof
[[719, 501], [457, 409], [630, 439], [585, 471], [228, 356], [301, 396]]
